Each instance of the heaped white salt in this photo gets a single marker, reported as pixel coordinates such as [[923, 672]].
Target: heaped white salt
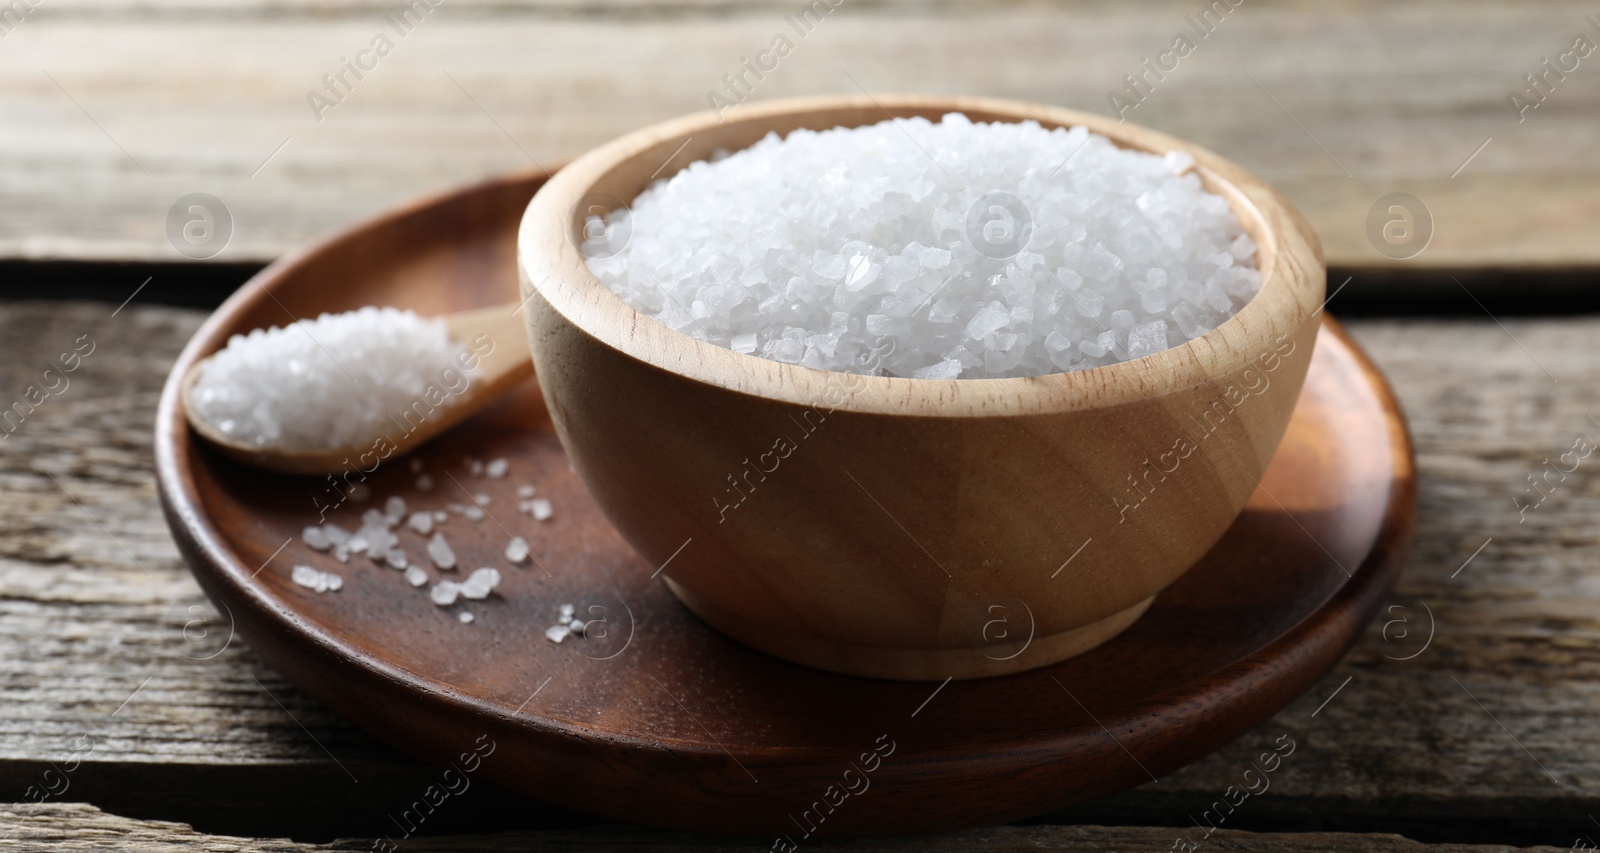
[[976, 250], [439, 551], [497, 468], [329, 383]]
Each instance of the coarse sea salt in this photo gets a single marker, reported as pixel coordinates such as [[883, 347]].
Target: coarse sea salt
[[333, 382], [934, 250], [315, 580]]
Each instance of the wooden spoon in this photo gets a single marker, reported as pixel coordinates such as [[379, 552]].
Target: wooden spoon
[[499, 370]]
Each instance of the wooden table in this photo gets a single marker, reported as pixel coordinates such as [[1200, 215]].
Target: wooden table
[[1466, 716]]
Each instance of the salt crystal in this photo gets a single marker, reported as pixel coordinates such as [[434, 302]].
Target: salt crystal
[[541, 509], [316, 538], [480, 583], [818, 247], [421, 522], [315, 580], [474, 466], [517, 550], [566, 611], [557, 633], [416, 576], [577, 627], [396, 559], [439, 551], [465, 617], [394, 509], [471, 512], [439, 516], [481, 498], [497, 468], [525, 491], [444, 593]]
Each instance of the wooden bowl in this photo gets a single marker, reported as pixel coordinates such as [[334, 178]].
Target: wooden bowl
[[879, 526]]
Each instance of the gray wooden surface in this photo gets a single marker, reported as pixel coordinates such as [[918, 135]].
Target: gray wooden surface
[[77, 827], [1485, 732], [113, 109]]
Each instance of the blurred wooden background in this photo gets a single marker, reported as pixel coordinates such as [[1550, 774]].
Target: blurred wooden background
[[113, 109]]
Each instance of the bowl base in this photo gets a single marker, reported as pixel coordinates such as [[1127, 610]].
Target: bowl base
[[914, 664]]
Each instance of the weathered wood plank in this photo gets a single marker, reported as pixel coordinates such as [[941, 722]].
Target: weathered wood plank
[[68, 827], [92, 600], [112, 111]]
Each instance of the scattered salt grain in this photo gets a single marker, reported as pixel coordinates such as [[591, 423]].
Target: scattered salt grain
[[978, 250], [421, 522], [315, 580], [316, 538], [541, 509], [481, 498], [557, 633], [497, 468], [471, 512], [525, 491], [394, 509], [416, 576], [465, 617], [576, 627], [566, 611], [439, 516], [396, 559], [444, 593], [480, 583], [517, 550], [439, 551]]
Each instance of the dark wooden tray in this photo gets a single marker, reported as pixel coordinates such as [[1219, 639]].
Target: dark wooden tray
[[667, 722]]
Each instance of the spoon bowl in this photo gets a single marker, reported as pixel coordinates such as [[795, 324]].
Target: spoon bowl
[[503, 364]]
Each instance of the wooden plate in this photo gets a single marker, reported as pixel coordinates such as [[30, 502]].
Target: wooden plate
[[663, 720]]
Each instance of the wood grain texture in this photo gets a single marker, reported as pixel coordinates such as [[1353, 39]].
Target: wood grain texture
[[85, 626], [201, 95], [71, 827]]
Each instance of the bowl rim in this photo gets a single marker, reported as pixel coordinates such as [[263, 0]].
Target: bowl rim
[[552, 266]]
